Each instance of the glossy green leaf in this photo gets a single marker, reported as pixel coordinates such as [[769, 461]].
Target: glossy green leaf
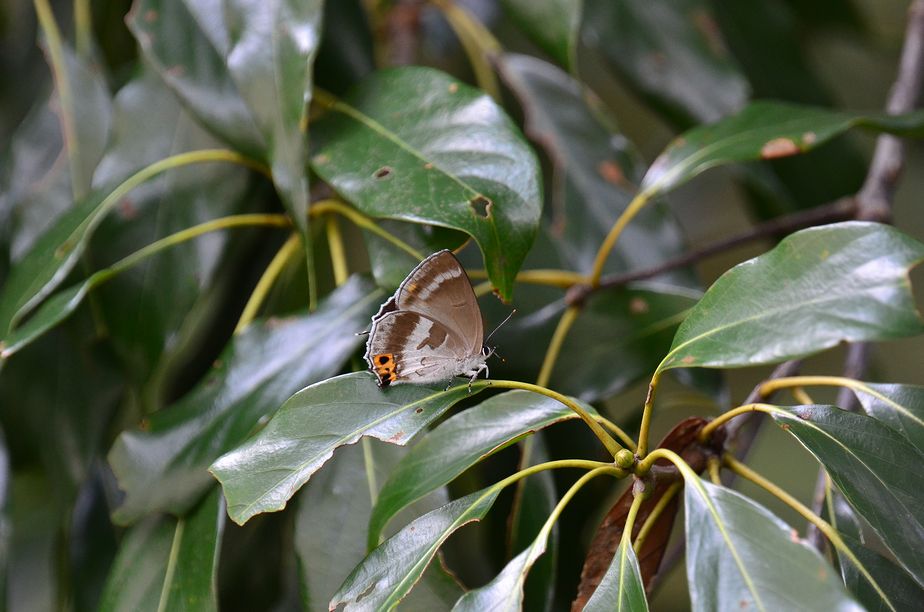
[[534, 499], [244, 69], [390, 571], [338, 497], [769, 44], [136, 579], [763, 130], [902, 593], [818, 287], [163, 467], [164, 564], [49, 261], [872, 465], [459, 443], [263, 473], [505, 591], [621, 588], [551, 24], [191, 579], [670, 51], [740, 555], [899, 406], [417, 145], [595, 171]]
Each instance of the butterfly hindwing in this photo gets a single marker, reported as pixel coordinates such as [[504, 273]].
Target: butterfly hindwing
[[412, 347]]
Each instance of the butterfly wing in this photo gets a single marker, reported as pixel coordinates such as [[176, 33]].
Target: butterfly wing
[[439, 288], [430, 351]]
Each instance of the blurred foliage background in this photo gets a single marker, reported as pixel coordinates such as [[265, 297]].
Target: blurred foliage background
[[56, 488]]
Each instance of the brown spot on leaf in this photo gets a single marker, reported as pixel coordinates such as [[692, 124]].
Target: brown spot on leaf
[[611, 172], [809, 138], [216, 364], [785, 426], [638, 306], [383, 172], [144, 424], [321, 159], [428, 166], [688, 359], [779, 147], [395, 438], [744, 604], [418, 411], [151, 16], [453, 87], [482, 206]]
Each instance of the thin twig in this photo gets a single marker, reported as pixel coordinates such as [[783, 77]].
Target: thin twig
[[874, 201], [839, 210]]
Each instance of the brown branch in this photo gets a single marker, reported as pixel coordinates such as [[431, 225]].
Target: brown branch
[[840, 210], [874, 201]]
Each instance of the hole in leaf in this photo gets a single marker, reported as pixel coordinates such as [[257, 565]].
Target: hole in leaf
[[481, 205], [383, 172]]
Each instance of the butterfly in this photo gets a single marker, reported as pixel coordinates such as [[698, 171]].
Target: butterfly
[[431, 329]]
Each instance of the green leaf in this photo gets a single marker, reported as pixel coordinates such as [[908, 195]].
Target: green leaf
[[534, 499], [459, 443], [190, 583], [137, 576], [49, 260], [244, 69], [262, 474], [338, 497], [670, 52], [595, 171], [818, 287], [272, 48], [551, 24], [763, 130], [872, 465], [415, 144], [740, 555], [164, 466], [621, 587], [164, 564], [902, 592], [390, 571], [901, 407]]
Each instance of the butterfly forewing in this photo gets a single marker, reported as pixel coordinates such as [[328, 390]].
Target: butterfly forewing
[[439, 286]]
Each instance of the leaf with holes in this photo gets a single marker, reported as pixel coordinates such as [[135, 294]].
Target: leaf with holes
[[818, 287], [415, 144], [262, 474], [874, 467]]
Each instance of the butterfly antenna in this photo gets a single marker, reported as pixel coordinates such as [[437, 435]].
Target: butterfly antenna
[[512, 312]]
